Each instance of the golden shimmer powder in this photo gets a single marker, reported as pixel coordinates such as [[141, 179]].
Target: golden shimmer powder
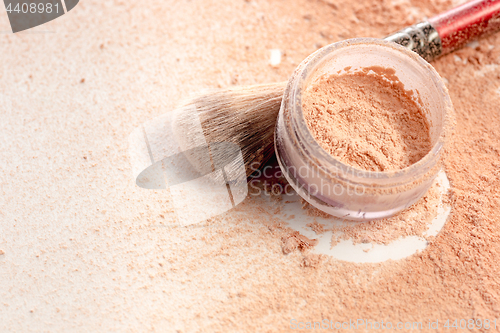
[[367, 119]]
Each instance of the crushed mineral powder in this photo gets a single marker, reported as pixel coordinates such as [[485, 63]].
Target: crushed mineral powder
[[295, 240], [414, 221], [318, 228], [367, 119]]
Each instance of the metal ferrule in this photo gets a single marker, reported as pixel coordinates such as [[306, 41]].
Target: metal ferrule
[[421, 38]]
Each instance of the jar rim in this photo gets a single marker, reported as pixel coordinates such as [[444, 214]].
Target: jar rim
[[416, 169]]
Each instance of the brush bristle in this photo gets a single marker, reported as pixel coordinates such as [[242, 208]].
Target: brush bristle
[[245, 116]]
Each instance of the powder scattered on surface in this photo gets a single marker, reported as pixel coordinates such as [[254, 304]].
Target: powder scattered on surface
[[295, 240], [312, 260], [367, 120], [318, 228], [2, 252], [414, 221]]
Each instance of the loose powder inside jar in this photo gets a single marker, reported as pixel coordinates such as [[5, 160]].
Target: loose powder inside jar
[[367, 119]]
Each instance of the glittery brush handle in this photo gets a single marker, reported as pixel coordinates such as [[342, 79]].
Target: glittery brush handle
[[450, 30]]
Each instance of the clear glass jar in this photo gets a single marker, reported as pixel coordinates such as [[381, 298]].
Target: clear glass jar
[[340, 189]]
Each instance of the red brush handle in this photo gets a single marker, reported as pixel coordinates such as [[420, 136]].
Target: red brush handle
[[466, 22]]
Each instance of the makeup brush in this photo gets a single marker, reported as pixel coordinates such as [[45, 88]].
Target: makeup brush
[[247, 115]]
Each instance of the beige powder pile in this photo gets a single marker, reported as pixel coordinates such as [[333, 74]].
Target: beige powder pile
[[366, 120]]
